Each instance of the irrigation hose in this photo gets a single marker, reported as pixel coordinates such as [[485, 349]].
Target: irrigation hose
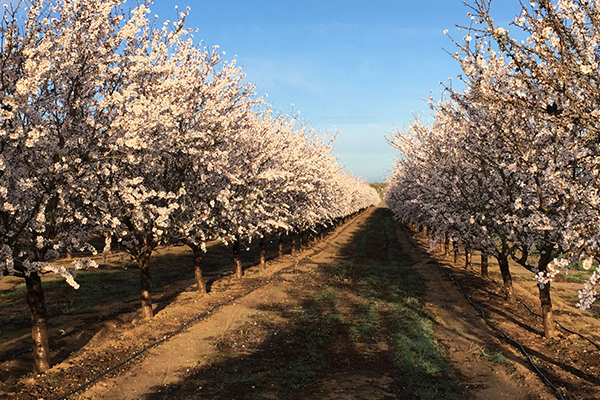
[[544, 378], [185, 326], [104, 318], [555, 321], [107, 317]]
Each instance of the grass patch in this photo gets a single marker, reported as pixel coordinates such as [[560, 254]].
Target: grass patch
[[498, 358], [366, 320], [393, 311], [81, 310], [591, 314], [581, 277]]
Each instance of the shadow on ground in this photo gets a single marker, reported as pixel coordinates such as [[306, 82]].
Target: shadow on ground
[[359, 331]]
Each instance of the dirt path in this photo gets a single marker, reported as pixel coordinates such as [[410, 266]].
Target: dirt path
[[460, 331], [172, 361], [348, 318], [467, 339]]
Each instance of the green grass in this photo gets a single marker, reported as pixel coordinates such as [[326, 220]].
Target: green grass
[[393, 295], [96, 286], [498, 358], [581, 277], [366, 319]]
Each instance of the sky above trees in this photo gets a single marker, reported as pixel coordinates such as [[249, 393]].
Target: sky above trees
[[353, 67], [359, 68]]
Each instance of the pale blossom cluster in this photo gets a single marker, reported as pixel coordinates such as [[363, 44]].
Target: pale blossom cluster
[[588, 294], [509, 164], [111, 125], [555, 267]]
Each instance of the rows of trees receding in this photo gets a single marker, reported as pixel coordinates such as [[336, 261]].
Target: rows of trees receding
[[510, 164], [115, 126]]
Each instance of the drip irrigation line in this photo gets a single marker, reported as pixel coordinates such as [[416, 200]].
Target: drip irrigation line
[[555, 321], [172, 334], [104, 318], [107, 317], [15, 355], [23, 351], [187, 324], [544, 378]]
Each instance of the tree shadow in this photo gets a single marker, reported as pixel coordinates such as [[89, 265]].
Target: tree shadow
[[361, 334], [552, 363], [108, 293]]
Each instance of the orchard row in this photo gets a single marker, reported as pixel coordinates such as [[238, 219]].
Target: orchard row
[[115, 126], [510, 164]]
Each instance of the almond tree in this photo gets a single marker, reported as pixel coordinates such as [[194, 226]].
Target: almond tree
[[248, 205], [514, 157], [320, 193], [218, 105], [561, 54], [57, 64], [143, 175], [555, 67], [313, 198]]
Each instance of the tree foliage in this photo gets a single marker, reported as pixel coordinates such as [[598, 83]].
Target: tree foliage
[[113, 125]]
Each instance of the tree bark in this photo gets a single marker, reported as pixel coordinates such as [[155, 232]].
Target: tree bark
[[446, 244], [506, 277], [455, 250], [146, 283], [280, 247], [39, 322], [261, 252], [198, 255], [484, 265], [545, 300], [294, 247], [547, 315], [237, 258]]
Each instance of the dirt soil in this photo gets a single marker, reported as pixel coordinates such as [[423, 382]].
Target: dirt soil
[[195, 342]]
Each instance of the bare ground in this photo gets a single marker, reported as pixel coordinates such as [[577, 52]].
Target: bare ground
[[245, 339]]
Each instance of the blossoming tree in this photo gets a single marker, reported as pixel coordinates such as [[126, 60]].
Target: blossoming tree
[[512, 166], [57, 59]]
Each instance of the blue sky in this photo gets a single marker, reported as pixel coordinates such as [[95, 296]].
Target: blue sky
[[358, 67]]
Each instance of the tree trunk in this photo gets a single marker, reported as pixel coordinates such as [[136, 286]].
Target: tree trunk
[[39, 327], [198, 255], [280, 248], [467, 254], [506, 277], [545, 300], [294, 247], [484, 265], [548, 319], [146, 283], [261, 251], [237, 258], [455, 250], [446, 244]]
